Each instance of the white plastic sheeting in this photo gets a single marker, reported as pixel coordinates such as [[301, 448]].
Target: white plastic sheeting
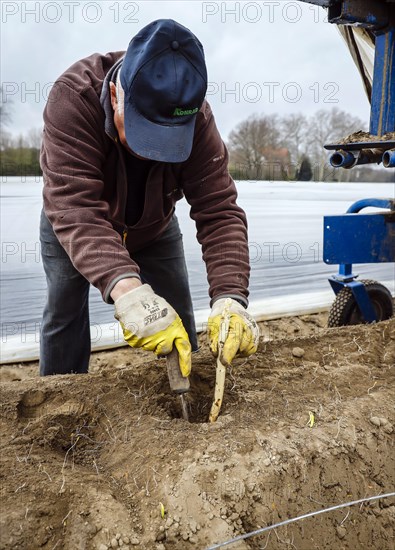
[[361, 44]]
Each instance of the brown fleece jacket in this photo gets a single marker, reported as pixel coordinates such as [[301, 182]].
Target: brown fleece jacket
[[85, 188]]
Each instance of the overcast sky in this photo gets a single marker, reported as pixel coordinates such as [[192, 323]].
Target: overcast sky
[[262, 57]]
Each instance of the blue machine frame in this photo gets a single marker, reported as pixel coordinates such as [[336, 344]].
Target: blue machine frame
[[382, 118], [359, 238], [353, 237]]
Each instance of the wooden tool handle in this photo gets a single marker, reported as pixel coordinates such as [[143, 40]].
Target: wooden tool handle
[[178, 383]]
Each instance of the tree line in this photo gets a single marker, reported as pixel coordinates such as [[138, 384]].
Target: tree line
[[270, 147], [19, 155]]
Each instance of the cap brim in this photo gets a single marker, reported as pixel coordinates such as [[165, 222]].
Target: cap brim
[[172, 143]]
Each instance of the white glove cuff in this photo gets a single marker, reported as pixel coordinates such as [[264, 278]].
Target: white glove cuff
[[235, 307], [133, 296]]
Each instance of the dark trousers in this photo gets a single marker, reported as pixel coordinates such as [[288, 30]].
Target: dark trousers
[[65, 344]]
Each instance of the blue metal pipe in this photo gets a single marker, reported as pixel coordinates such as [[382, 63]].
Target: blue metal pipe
[[382, 118], [366, 203], [389, 159], [342, 159], [346, 159]]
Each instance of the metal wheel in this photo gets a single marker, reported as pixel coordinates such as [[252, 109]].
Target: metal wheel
[[345, 311]]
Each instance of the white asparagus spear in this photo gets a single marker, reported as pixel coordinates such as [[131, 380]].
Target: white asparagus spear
[[221, 369]]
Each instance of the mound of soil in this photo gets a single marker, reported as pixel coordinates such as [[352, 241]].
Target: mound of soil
[[360, 137], [105, 461]]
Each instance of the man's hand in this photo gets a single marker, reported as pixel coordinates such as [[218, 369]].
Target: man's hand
[[243, 335], [149, 322]]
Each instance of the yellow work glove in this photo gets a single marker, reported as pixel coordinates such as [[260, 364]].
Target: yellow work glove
[[243, 335], [149, 322]]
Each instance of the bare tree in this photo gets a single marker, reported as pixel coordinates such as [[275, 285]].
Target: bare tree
[[294, 131], [34, 138], [250, 141], [5, 120], [5, 110]]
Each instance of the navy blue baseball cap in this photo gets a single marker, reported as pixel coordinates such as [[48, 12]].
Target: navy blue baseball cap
[[164, 78]]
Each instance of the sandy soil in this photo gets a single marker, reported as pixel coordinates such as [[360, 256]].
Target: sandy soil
[[360, 137], [86, 461]]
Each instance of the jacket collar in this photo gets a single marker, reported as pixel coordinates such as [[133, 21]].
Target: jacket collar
[[105, 100]]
